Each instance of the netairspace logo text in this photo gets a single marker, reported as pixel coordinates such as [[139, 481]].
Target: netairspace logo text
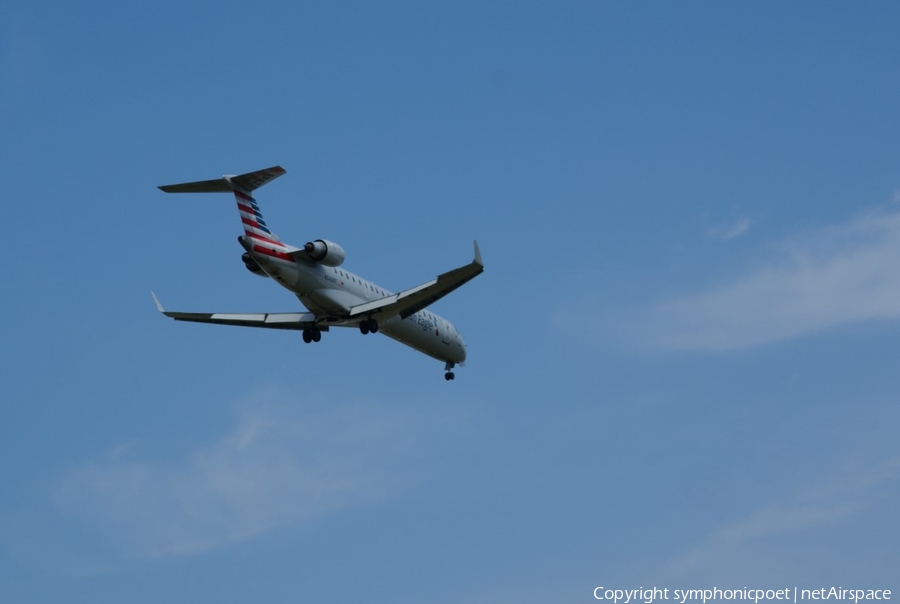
[[682, 596]]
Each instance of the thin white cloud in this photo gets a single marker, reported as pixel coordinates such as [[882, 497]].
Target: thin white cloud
[[732, 231], [730, 549], [277, 468], [766, 540], [839, 275]]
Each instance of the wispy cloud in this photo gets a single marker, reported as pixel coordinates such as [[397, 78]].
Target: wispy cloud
[[731, 231], [838, 275], [734, 546], [762, 541], [276, 468]]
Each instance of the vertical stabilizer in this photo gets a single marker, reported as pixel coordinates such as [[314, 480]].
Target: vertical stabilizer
[[242, 185], [255, 225]]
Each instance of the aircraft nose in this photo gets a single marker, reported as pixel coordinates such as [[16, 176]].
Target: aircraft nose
[[462, 348]]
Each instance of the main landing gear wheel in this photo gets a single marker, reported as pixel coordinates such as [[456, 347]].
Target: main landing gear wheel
[[368, 326], [312, 334]]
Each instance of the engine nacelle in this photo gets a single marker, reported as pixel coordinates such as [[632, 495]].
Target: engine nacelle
[[325, 252], [252, 266]]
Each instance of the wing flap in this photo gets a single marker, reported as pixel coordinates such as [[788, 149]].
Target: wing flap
[[268, 320], [286, 320]]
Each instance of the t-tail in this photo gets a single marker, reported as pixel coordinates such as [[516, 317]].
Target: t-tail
[[259, 237]]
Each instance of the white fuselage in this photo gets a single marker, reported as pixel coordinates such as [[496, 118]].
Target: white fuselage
[[333, 291]]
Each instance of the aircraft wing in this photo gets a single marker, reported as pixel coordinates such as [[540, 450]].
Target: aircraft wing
[[413, 300], [286, 320]]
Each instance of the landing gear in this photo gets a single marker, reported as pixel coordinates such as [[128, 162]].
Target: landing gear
[[368, 326], [312, 334], [448, 368]]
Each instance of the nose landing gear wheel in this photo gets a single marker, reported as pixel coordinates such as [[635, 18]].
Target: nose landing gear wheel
[[448, 368]]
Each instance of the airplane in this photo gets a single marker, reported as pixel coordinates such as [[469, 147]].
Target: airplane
[[333, 296]]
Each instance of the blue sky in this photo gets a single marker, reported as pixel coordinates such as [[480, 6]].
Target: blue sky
[[683, 353]]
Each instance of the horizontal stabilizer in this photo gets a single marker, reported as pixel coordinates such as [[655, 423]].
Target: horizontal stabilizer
[[244, 182]]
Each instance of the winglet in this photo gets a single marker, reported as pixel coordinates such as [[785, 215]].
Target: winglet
[[478, 255], [158, 305]]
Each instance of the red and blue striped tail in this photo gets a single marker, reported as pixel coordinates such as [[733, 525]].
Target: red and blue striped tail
[[254, 224], [257, 232]]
